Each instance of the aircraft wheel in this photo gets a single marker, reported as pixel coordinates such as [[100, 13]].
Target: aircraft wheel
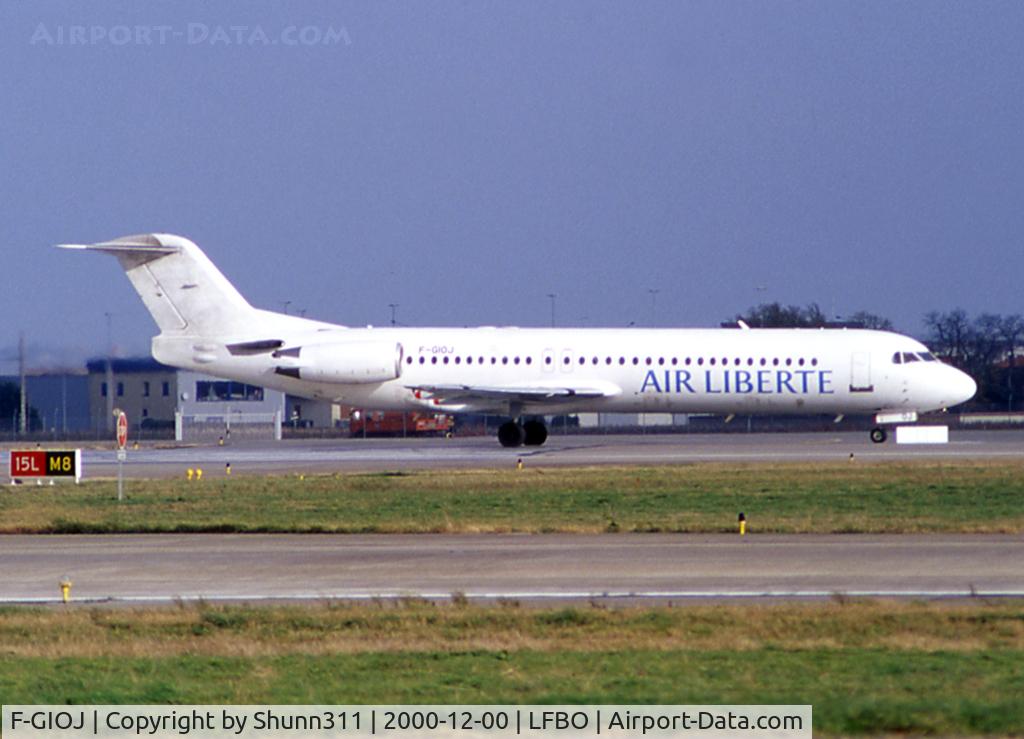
[[536, 433], [511, 434], [879, 435]]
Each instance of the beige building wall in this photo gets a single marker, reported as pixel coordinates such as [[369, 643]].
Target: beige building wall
[[144, 389]]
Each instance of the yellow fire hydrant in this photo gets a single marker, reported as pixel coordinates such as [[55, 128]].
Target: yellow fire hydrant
[[743, 524], [199, 474], [519, 463], [65, 588], [189, 473]]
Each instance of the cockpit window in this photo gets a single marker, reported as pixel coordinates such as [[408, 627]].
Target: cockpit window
[[928, 357], [910, 357], [897, 358]]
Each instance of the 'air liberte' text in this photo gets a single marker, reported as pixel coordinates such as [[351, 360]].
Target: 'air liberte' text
[[740, 382]]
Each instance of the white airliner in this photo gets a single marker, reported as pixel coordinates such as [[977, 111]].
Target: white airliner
[[206, 325]]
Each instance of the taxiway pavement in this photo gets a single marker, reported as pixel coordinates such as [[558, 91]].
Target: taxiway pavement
[[166, 568]]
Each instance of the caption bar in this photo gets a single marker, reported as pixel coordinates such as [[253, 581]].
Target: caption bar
[[406, 722]]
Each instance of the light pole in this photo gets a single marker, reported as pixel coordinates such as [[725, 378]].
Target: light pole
[[286, 303], [552, 296], [23, 390], [392, 306], [110, 375]]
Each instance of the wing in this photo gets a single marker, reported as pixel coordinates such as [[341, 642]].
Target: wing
[[482, 397]]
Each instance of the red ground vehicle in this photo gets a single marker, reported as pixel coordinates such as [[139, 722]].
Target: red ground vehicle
[[379, 423]]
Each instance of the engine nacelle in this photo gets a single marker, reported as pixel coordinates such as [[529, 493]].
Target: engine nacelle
[[346, 363]]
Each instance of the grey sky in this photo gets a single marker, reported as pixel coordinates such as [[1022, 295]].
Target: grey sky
[[466, 159]]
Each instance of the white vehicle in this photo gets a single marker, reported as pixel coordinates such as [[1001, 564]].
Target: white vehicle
[[206, 325]]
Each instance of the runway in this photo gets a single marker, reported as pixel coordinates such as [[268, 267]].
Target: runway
[[357, 455], [140, 569]]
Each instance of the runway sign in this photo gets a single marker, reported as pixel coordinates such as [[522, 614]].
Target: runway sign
[[36, 463]]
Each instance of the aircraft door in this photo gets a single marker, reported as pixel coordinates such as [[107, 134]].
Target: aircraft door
[[860, 373]]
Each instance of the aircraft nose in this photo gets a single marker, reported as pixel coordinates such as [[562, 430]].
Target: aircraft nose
[[962, 387]]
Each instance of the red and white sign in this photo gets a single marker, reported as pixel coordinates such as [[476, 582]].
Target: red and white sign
[[122, 430]]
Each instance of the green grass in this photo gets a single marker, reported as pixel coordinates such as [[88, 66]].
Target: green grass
[[792, 498], [867, 668]]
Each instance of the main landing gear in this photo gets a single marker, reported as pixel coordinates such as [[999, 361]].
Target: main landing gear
[[528, 433], [879, 435]]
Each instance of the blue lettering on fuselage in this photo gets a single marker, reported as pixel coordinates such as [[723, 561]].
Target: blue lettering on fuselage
[[741, 382], [676, 381]]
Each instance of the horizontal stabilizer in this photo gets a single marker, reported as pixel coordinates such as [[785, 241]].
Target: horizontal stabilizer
[[131, 251]]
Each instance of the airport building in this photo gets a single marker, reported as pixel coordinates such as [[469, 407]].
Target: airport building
[[196, 406]]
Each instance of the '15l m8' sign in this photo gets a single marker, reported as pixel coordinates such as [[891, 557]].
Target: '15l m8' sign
[[40, 464]]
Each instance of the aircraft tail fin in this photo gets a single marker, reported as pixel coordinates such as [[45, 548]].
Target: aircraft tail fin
[[182, 289]]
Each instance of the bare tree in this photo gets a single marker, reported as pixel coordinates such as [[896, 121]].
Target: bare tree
[[776, 315], [870, 320], [980, 347], [1011, 331], [950, 335]]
